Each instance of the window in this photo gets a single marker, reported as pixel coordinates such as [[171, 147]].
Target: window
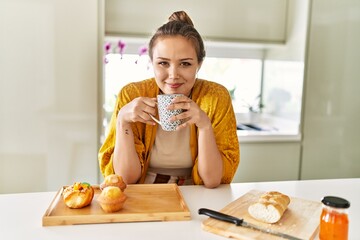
[[282, 90], [121, 70], [242, 77]]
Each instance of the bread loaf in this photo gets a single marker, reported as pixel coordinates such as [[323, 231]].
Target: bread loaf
[[270, 207]]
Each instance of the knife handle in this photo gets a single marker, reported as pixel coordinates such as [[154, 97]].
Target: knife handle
[[221, 216]]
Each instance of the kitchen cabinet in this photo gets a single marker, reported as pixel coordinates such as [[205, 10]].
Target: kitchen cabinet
[[268, 161], [261, 21], [331, 111]]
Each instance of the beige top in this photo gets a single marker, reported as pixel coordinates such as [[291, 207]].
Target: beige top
[[171, 153]]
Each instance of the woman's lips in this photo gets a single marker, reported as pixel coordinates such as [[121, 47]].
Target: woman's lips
[[175, 85]]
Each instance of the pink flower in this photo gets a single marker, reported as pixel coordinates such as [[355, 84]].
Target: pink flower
[[121, 46], [107, 47], [142, 51]]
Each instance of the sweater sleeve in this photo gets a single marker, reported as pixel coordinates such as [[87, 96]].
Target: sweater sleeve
[[106, 151], [218, 106], [227, 139]]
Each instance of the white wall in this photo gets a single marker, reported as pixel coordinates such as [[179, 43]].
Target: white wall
[[48, 93]]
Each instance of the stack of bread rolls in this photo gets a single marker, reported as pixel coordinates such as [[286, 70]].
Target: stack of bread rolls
[[113, 180], [112, 197]]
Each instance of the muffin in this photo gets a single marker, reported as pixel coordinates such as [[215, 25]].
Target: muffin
[[78, 195], [113, 180], [111, 199]]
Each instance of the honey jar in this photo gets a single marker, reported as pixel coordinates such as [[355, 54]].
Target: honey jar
[[334, 221]]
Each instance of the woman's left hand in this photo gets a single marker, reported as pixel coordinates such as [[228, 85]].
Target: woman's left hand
[[192, 113]]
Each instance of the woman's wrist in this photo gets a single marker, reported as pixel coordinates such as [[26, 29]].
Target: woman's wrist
[[205, 123], [123, 126], [121, 121]]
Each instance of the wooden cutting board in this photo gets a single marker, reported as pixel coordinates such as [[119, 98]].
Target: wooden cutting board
[[145, 202], [301, 219]]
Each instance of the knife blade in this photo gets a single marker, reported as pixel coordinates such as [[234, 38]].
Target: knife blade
[[241, 222]]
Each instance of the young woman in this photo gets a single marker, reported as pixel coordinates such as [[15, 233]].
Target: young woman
[[204, 149]]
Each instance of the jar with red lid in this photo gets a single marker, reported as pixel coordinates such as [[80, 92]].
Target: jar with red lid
[[334, 221]]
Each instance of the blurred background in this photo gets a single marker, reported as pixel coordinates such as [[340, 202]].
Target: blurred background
[[291, 67]]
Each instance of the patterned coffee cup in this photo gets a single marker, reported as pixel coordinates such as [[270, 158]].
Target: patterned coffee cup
[[164, 101]]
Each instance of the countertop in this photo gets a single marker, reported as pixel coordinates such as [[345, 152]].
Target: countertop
[[267, 136], [267, 128], [21, 214]]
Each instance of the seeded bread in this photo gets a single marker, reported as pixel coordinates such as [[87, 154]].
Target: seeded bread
[[270, 207]]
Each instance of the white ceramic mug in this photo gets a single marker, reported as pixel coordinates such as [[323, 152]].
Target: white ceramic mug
[[163, 101]]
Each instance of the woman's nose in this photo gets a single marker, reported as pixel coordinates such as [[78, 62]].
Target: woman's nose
[[173, 72]]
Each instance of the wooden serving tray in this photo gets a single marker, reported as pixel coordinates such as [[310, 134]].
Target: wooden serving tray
[[145, 202]]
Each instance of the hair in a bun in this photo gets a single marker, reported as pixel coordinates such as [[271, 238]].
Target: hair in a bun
[[182, 17], [179, 24]]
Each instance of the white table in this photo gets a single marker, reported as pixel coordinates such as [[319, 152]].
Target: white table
[[21, 214]]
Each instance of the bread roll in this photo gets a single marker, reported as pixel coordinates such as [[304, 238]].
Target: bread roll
[[78, 195], [113, 180], [111, 199], [270, 207]]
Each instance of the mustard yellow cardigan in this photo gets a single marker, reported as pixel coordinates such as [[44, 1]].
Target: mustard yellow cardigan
[[212, 98]]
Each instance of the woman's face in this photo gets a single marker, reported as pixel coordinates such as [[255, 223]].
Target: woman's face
[[175, 64]]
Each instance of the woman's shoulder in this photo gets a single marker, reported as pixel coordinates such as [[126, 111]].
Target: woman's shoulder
[[146, 83], [204, 87], [212, 97], [140, 88]]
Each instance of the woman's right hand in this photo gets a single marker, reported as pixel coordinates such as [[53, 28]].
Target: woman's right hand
[[138, 110]]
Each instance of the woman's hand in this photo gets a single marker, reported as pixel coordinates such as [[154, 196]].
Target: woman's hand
[[138, 110], [192, 113]]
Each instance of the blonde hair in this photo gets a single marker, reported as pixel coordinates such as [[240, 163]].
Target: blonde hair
[[180, 24]]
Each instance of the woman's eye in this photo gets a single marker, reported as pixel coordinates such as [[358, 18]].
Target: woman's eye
[[185, 64], [163, 63]]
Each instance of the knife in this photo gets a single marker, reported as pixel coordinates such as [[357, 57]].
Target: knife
[[241, 222]]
